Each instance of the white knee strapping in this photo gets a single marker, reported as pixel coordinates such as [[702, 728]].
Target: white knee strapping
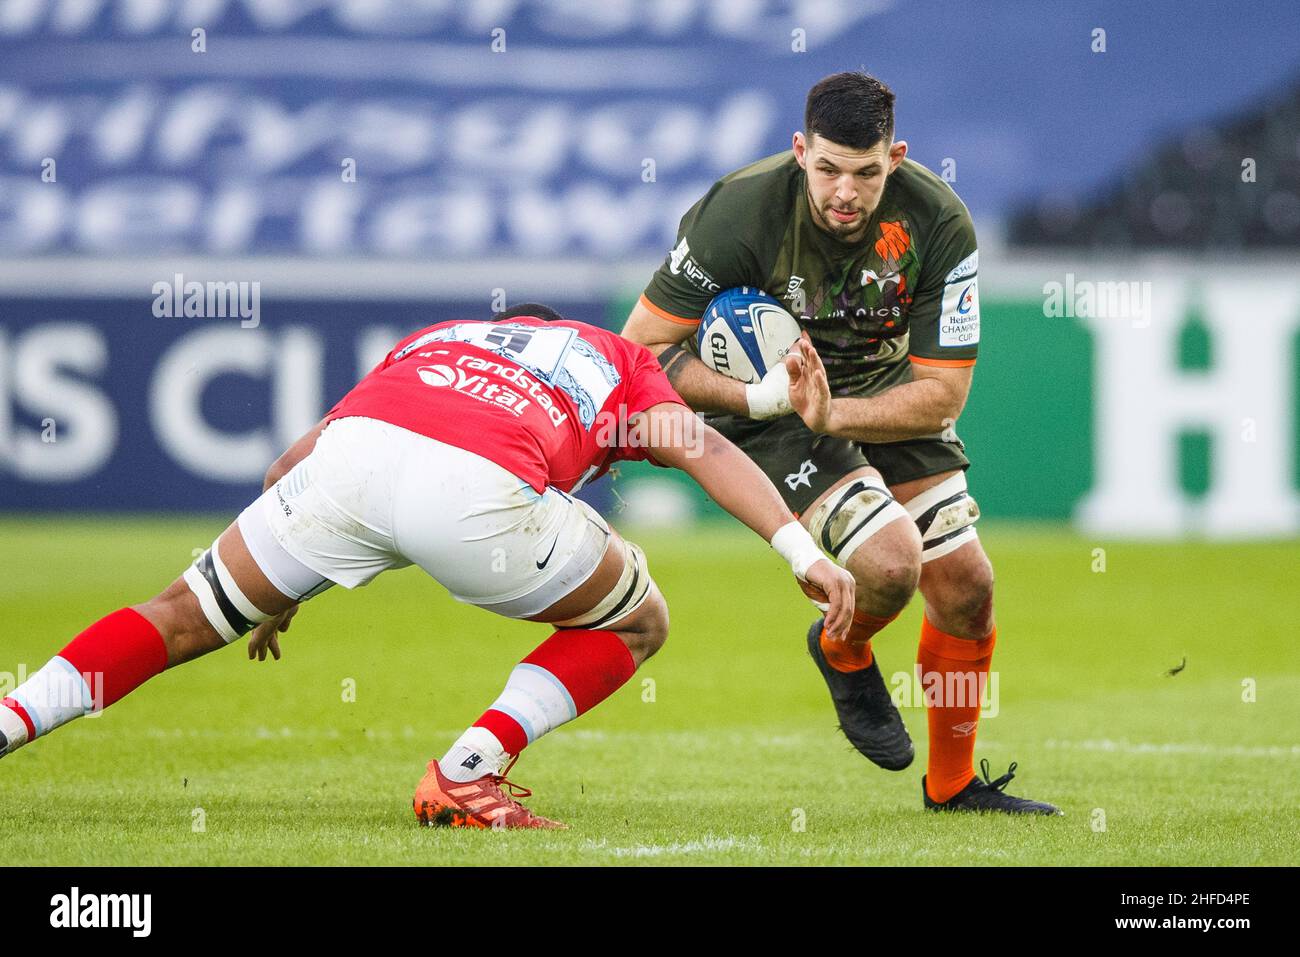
[[853, 513], [946, 516], [224, 605], [627, 595], [237, 598]]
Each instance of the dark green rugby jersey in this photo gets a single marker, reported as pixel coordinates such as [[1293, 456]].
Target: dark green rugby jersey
[[906, 290]]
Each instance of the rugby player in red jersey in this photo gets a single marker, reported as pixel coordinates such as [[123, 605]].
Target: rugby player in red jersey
[[457, 453]]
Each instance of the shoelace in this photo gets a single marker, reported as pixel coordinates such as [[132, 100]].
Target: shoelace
[[1001, 783], [514, 790]]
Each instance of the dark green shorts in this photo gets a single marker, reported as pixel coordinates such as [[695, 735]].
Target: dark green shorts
[[803, 465]]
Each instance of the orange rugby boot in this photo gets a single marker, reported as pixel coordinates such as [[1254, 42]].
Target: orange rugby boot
[[480, 803]]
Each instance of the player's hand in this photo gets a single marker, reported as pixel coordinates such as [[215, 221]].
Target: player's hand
[[810, 392], [837, 588], [769, 398], [266, 635]]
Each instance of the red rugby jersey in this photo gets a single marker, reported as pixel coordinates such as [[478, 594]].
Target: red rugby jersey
[[543, 400]]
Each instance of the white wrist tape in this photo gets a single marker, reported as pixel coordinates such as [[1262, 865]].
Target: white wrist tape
[[770, 397], [793, 543]]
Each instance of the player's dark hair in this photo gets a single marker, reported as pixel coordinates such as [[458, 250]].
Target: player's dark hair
[[535, 309], [853, 109]]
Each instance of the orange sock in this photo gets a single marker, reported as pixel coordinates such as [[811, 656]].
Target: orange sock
[[854, 652], [962, 669]]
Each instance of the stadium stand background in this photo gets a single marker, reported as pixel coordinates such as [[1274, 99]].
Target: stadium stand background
[[1190, 192], [545, 150]]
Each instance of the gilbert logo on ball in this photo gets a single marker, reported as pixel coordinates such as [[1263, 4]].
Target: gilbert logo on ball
[[744, 333]]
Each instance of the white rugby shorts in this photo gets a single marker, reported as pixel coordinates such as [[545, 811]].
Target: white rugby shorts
[[373, 496]]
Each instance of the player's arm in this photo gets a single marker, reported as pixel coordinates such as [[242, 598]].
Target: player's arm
[[701, 387], [293, 455], [679, 439], [709, 256], [930, 403], [927, 405], [265, 637]]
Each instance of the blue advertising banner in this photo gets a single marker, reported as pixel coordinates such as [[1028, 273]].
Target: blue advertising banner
[[106, 406], [555, 127]]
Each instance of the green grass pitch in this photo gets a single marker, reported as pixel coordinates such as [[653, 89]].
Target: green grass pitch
[[721, 750]]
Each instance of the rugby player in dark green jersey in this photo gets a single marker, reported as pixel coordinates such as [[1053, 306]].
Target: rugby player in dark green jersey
[[876, 258]]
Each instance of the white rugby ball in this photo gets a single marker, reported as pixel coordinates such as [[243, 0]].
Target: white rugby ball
[[744, 333]]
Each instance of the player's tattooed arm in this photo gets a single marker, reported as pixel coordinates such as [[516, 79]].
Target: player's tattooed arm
[[672, 360], [702, 388]]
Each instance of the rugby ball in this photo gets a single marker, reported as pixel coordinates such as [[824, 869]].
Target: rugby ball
[[744, 333]]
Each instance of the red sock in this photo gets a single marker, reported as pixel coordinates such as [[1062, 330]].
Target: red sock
[[960, 669], [113, 657], [124, 646], [567, 675]]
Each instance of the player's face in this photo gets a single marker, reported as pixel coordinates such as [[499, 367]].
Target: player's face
[[845, 184]]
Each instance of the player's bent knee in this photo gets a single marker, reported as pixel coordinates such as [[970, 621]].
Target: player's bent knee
[[888, 576], [222, 602], [859, 526], [852, 515], [645, 630], [633, 607], [632, 589]]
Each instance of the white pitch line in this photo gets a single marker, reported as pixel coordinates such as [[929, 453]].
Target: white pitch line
[[1177, 747], [707, 844], [721, 739]]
